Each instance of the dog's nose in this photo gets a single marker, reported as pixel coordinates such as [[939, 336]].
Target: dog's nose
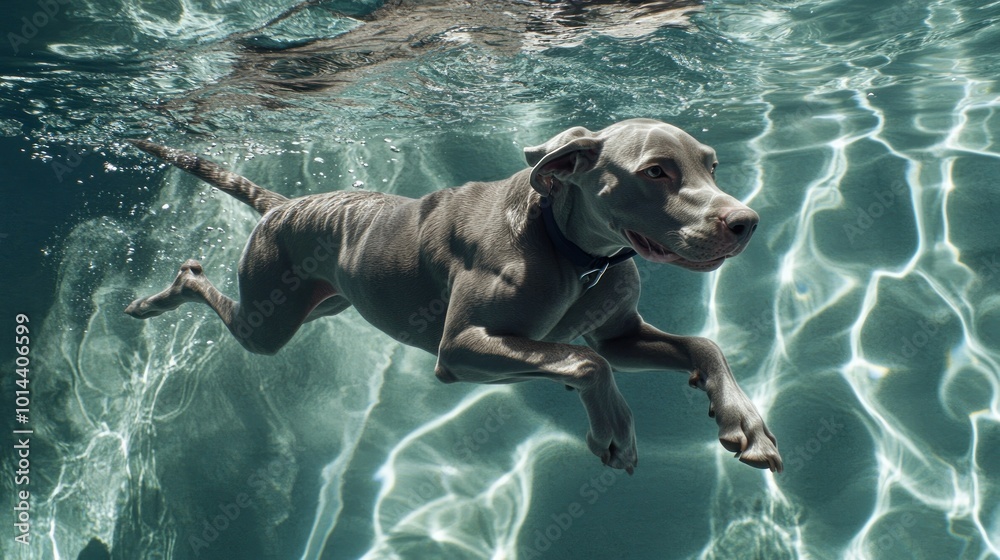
[[742, 222]]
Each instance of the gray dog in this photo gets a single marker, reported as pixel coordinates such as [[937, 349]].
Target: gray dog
[[526, 266]]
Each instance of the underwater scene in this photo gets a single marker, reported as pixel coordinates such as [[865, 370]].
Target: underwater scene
[[862, 319]]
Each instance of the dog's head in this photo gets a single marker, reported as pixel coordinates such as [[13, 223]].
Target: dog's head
[[645, 184]]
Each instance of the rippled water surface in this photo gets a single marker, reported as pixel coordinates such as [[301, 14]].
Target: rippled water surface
[[863, 319]]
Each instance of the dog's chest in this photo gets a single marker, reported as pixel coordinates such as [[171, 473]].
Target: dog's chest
[[586, 314]]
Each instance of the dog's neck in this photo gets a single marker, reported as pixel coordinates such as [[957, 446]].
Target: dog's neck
[[576, 224], [589, 262]]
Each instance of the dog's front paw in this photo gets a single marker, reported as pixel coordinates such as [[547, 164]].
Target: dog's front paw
[[612, 431], [742, 431]]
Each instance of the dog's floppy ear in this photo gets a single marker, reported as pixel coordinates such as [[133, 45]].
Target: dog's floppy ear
[[574, 151]]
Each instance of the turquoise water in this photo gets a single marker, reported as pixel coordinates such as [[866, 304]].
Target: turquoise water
[[863, 319]]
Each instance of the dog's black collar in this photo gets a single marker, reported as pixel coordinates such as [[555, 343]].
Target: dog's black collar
[[575, 254]]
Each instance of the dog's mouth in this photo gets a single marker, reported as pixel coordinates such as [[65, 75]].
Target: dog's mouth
[[656, 252]]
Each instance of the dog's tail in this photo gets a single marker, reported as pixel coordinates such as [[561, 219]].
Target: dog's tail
[[238, 186]]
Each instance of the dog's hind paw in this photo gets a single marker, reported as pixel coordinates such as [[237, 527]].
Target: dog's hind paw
[[177, 293], [141, 310]]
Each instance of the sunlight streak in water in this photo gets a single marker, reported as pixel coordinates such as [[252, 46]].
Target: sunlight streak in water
[[453, 498]]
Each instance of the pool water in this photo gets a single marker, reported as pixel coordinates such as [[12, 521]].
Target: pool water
[[863, 320]]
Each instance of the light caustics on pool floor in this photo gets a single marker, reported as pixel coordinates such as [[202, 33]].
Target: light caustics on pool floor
[[863, 321], [922, 483]]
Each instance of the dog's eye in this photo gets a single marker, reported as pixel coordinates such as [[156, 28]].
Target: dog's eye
[[714, 165], [654, 172]]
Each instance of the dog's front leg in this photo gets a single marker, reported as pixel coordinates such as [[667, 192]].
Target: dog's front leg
[[473, 355], [741, 428]]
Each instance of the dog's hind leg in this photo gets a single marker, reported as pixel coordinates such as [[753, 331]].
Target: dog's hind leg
[[267, 315], [191, 285], [330, 306]]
